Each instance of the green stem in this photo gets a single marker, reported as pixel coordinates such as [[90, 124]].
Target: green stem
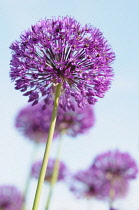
[[27, 184], [54, 174], [47, 149], [111, 196]]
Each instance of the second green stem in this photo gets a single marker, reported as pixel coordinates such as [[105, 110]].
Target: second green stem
[[55, 172]]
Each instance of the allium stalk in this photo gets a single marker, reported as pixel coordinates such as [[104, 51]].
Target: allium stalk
[[47, 149], [55, 172], [27, 184], [112, 194]]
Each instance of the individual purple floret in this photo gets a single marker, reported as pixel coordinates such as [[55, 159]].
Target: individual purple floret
[[75, 122], [33, 122], [63, 171], [85, 184], [62, 51], [10, 198], [115, 169]]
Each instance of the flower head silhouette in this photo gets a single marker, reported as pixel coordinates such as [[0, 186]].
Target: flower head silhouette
[[10, 198], [33, 122], [63, 171], [84, 184], [115, 169], [57, 51]]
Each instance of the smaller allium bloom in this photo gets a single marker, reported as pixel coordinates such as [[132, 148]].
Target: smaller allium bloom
[[75, 122], [63, 171], [115, 169], [10, 198], [84, 184], [57, 51], [33, 122]]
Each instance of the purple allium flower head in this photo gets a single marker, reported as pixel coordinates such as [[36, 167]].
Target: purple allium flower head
[[62, 51], [63, 171], [75, 122], [85, 184], [10, 198], [115, 169], [34, 122]]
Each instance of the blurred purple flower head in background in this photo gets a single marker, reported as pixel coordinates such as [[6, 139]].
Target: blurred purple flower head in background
[[84, 184], [62, 174], [62, 51], [33, 122], [10, 198], [75, 122], [115, 169]]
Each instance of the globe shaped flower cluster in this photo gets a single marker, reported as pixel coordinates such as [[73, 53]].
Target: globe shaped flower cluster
[[57, 51], [62, 174], [10, 198], [84, 184], [115, 169], [33, 122], [75, 122], [107, 178]]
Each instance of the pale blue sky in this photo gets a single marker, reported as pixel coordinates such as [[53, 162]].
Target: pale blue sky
[[117, 114]]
